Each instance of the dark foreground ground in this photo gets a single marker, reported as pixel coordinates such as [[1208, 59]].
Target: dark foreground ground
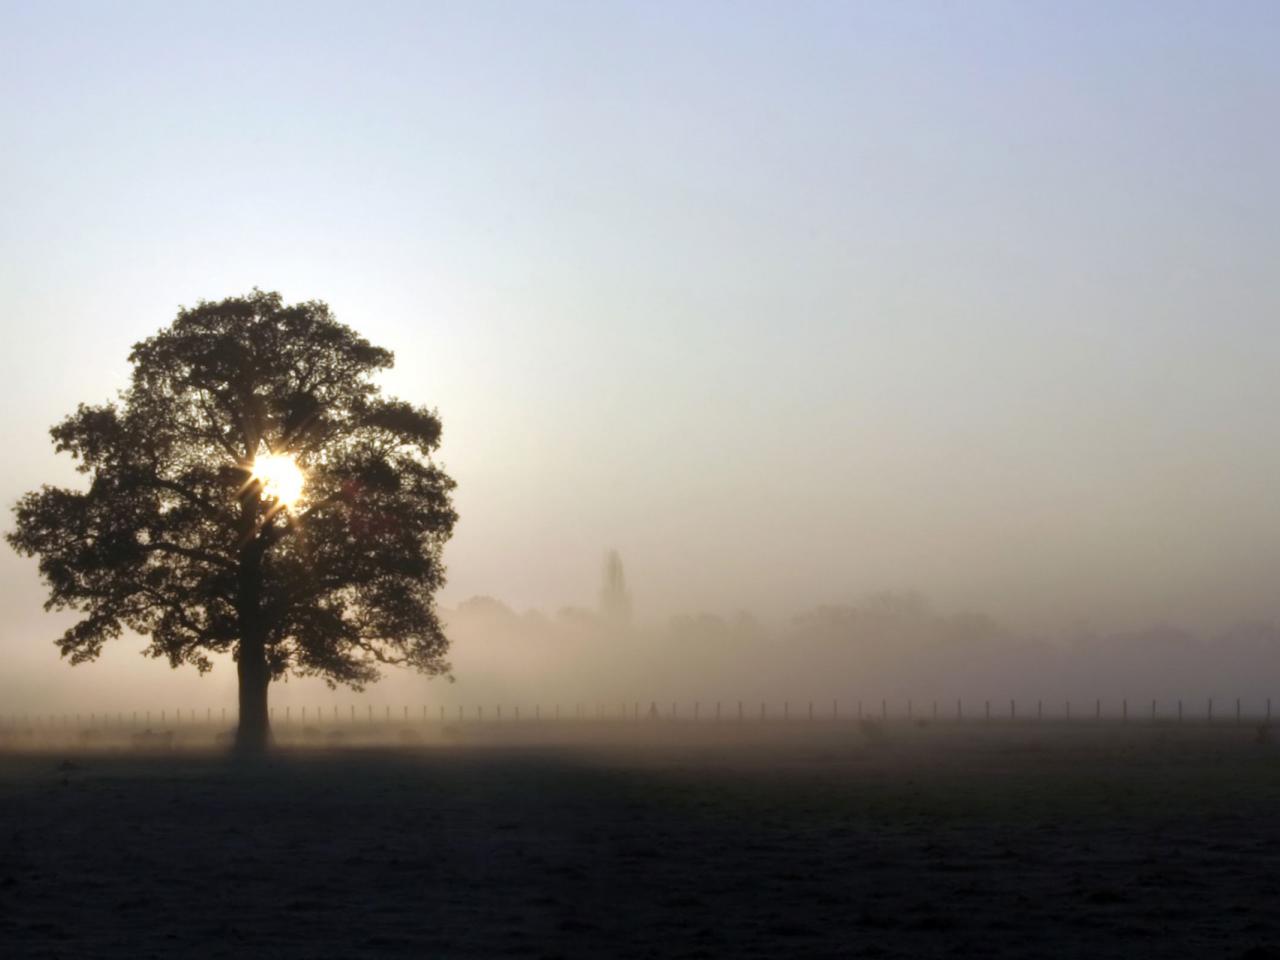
[[816, 841]]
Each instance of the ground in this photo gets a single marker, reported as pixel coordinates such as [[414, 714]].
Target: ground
[[653, 840]]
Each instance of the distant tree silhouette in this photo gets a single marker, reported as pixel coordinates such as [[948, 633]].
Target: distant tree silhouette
[[181, 539], [615, 601]]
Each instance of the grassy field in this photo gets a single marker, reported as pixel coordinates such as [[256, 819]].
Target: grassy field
[[653, 840]]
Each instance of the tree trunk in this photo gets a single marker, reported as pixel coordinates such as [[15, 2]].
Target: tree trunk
[[253, 733]]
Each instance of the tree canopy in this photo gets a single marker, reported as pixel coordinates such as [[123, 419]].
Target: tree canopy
[[179, 539]]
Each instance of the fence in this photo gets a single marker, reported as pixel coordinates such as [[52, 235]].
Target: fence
[[635, 711]]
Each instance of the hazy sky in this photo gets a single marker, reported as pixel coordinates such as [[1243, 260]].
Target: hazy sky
[[787, 302]]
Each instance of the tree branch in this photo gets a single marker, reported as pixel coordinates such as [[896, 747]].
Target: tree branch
[[191, 553]]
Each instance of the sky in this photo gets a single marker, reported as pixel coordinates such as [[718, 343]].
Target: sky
[[787, 303]]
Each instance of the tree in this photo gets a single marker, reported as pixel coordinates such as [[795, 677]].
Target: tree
[[615, 601], [251, 492]]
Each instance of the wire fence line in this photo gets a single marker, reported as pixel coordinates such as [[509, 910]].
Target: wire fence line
[[884, 710]]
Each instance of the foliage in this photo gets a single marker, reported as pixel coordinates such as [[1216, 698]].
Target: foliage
[[174, 539]]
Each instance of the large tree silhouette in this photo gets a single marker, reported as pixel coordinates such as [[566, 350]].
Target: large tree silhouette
[[183, 537]]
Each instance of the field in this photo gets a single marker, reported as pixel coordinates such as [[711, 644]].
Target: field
[[656, 839]]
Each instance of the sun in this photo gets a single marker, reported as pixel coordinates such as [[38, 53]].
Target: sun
[[281, 479]]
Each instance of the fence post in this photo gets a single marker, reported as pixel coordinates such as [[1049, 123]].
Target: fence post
[[810, 710], [1124, 710], [884, 709], [935, 711], [1179, 711], [910, 711], [835, 709], [739, 711], [959, 709], [786, 710], [988, 711]]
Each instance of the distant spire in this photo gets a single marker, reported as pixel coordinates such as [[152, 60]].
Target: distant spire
[[615, 601]]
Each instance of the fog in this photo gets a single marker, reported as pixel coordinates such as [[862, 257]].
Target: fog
[[901, 351], [889, 647], [887, 653]]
